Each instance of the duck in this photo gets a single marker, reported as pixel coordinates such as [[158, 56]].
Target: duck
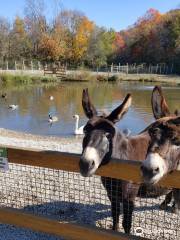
[[4, 95], [127, 132], [52, 118], [13, 106], [78, 130], [51, 98]]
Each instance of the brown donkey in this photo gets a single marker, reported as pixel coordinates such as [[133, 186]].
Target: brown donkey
[[163, 156], [102, 142]]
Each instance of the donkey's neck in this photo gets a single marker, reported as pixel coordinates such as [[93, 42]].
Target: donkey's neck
[[173, 157], [131, 148]]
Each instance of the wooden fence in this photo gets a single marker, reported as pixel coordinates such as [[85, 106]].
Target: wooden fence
[[142, 69], [59, 72], [121, 169]]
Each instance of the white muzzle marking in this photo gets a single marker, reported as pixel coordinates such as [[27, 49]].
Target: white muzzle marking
[[91, 154], [154, 161]]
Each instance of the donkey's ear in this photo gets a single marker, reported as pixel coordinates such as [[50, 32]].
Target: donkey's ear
[[177, 112], [175, 121], [88, 107], [118, 113], [158, 102], [174, 125]]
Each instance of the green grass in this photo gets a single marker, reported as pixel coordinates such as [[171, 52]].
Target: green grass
[[7, 78]]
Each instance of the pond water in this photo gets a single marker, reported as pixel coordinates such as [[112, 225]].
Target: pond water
[[35, 105]]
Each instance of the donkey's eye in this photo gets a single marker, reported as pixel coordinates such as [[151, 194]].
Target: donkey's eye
[[155, 132], [176, 141], [108, 135]]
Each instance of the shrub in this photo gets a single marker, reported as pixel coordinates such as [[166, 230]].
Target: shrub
[[113, 78], [102, 78]]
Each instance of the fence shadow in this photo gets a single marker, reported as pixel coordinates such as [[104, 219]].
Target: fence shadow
[[70, 211]]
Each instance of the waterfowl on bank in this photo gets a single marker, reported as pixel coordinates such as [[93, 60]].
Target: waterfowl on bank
[[127, 132], [13, 106], [78, 130], [4, 95], [52, 118], [51, 98]]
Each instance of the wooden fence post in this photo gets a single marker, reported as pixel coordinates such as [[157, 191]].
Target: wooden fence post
[[39, 66], [31, 66], [15, 67], [23, 65], [167, 69], [127, 70], [157, 69], [7, 66], [172, 66], [112, 67]]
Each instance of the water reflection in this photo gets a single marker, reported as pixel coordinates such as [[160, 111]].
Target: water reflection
[[35, 105]]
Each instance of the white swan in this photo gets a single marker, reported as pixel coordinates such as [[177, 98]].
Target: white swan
[[52, 118], [78, 130], [13, 107]]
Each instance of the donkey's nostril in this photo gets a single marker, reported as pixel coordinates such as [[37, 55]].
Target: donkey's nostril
[[86, 165], [157, 169], [93, 164]]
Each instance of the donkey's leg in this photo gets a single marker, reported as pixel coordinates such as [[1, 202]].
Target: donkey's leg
[[129, 191], [166, 201], [176, 205], [128, 207], [113, 188]]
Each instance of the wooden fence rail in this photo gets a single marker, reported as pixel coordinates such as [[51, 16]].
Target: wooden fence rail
[[62, 229], [120, 169]]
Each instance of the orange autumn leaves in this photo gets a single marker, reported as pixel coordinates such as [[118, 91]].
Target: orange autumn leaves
[[62, 44], [70, 37], [81, 39]]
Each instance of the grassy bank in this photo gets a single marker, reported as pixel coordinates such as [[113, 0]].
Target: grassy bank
[[83, 75], [7, 78], [113, 77]]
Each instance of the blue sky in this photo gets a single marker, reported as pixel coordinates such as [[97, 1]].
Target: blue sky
[[118, 14]]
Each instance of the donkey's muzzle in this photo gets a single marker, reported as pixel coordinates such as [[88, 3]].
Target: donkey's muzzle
[[86, 167], [149, 173]]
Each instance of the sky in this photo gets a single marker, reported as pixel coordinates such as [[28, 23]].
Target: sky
[[118, 14]]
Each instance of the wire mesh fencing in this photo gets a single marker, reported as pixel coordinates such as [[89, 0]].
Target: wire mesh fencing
[[69, 197]]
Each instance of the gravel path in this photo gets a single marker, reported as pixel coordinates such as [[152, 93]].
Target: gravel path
[[67, 196], [16, 139]]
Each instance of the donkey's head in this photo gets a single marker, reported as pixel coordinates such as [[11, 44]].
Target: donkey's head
[[99, 134], [163, 153]]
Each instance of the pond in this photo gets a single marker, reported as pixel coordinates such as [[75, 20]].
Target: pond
[[34, 105]]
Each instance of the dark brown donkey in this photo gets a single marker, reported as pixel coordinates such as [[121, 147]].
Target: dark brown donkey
[[102, 142], [163, 155]]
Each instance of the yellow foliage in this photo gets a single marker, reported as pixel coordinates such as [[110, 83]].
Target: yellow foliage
[[81, 39]]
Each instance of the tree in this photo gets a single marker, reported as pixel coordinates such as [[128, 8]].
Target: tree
[[52, 45], [19, 41], [100, 46], [81, 38], [35, 22], [4, 38]]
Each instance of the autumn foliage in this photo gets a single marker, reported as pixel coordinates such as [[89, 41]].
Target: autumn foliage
[[72, 38]]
